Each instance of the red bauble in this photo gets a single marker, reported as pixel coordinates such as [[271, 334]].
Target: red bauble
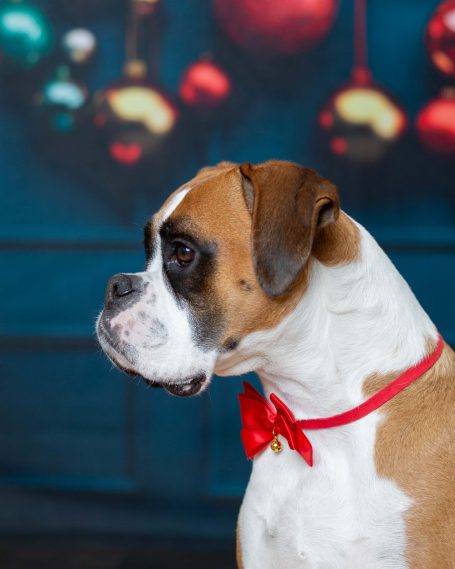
[[436, 124], [361, 122], [440, 38], [276, 27], [204, 85]]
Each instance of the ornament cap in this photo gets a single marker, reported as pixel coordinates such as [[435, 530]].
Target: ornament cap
[[135, 69], [146, 7], [361, 76]]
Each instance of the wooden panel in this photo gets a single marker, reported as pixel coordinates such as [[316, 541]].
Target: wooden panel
[[59, 291], [64, 419], [228, 466], [430, 275], [171, 434]]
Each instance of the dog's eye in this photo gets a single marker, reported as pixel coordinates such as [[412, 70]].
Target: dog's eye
[[184, 255]]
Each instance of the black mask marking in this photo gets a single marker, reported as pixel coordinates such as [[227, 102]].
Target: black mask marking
[[149, 241], [193, 283]]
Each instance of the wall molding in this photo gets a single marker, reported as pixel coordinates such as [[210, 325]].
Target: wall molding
[[76, 483], [394, 238]]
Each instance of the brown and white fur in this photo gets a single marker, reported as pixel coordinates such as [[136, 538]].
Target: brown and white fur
[[283, 283]]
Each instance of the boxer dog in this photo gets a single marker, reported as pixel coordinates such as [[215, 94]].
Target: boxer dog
[[255, 268]]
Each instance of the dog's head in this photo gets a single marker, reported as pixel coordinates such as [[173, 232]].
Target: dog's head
[[226, 255]]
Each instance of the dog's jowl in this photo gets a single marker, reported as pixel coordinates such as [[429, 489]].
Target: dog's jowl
[[256, 268]]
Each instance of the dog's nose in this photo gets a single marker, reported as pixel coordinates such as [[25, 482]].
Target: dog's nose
[[121, 286]]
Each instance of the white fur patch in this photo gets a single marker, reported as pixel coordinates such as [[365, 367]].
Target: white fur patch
[[174, 203]]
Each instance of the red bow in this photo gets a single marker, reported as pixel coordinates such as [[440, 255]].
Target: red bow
[[261, 424]]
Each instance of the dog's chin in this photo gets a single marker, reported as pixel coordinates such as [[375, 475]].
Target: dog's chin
[[184, 388]]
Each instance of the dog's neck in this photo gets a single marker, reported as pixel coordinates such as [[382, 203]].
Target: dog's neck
[[353, 321]]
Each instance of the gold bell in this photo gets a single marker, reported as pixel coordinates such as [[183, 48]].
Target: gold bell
[[275, 445]]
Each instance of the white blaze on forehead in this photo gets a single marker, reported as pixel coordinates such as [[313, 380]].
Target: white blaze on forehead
[[174, 203]]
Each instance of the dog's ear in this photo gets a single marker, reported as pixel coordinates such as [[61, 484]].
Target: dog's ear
[[288, 204], [220, 166]]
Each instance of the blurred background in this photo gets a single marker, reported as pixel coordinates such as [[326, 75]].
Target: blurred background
[[106, 106]]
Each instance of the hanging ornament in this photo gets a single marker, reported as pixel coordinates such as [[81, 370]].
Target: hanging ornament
[[361, 121], [436, 123], [79, 45], [61, 101], [440, 38], [279, 28], [26, 36], [204, 85], [135, 116]]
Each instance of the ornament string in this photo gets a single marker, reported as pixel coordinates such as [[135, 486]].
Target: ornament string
[[360, 72], [141, 53], [154, 43], [132, 38]]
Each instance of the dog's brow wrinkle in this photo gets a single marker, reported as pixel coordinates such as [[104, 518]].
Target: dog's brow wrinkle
[[245, 285]]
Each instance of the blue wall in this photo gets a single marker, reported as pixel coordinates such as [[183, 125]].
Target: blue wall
[[83, 450]]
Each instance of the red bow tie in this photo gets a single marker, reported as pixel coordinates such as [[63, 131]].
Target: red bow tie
[[262, 423]]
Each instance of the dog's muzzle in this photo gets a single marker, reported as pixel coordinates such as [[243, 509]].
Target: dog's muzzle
[[132, 330]]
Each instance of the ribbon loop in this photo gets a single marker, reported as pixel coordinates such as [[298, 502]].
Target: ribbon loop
[[261, 423]]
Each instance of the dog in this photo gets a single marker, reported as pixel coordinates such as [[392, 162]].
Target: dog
[[256, 268]]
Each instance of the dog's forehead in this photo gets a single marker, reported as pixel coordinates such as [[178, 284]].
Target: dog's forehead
[[213, 202], [202, 178]]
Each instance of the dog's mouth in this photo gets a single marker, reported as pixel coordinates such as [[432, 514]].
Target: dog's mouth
[[190, 387]]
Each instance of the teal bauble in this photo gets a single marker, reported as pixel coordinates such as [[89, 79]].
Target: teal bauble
[[61, 103], [26, 35]]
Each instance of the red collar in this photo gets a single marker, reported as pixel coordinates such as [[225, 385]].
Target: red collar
[[262, 423]]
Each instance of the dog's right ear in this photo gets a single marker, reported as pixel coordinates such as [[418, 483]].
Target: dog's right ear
[[220, 166], [288, 204]]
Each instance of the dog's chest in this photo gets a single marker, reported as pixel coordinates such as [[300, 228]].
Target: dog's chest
[[337, 515]]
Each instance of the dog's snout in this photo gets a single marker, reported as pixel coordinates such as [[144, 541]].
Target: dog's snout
[[120, 287]]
